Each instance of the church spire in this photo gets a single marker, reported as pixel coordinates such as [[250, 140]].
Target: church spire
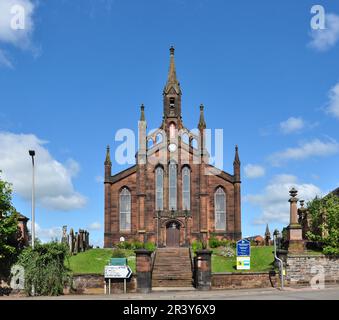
[[202, 122], [172, 81], [236, 165], [236, 157], [172, 95], [108, 161], [142, 113]]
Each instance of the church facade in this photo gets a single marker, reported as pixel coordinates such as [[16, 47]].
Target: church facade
[[172, 195]]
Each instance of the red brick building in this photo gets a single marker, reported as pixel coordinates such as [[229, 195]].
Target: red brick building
[[172, 195]]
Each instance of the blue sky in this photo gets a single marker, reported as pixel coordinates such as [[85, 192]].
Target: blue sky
[[79, 71]]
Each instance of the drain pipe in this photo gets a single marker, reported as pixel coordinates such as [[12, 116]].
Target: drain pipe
[[280, 261]]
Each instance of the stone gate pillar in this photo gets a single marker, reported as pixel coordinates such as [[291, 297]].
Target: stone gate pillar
[[144, 270], [203, 270], [294, 230]]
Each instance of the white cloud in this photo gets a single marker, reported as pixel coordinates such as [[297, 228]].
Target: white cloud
[[273, 201], [99, 179], [54, 186], [323, 40], [253, 171], [20, 38], [305, 150], [333, 105], [94, 226], [292, 125], [46, 234], [4, 60]]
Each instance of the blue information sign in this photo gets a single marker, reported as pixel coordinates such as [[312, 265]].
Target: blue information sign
[[243, 248]]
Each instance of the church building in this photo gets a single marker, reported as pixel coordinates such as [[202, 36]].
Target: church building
[[172, 195]]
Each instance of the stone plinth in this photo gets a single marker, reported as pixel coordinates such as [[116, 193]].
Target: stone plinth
[[203, 270], [295, 239], [144, 270]]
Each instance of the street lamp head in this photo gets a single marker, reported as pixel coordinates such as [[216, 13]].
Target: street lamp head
[[276, 233], [32, 153]]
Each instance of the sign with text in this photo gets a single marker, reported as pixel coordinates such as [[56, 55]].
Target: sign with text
[[117, 272], [243, 248], [243, 263]]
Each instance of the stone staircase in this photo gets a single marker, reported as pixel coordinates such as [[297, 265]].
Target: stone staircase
[[172, 268]]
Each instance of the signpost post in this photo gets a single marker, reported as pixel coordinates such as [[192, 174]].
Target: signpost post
[[117, 272], [243, 255]]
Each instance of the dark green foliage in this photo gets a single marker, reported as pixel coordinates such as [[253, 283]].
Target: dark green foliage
[[196, 245], [134, 245], [9, 231], [118, 253], [325, 223], [45, 268], [215, 243], [137, 245], [150, 246]]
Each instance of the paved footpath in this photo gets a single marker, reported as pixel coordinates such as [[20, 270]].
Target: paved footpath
[[329, 293]]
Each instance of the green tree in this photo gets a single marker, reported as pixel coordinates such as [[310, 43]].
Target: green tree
[[325, 222], [45, 268], [9, 246]]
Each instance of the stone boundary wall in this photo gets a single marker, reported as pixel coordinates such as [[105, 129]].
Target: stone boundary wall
[[301, 269], [244, 280], [95, 283]]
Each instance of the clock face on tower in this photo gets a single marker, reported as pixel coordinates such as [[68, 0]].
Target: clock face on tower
[[172, 147]]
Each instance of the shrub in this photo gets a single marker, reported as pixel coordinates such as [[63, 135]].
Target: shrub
[[118, 253], [214, 242], [137, 245], [125, 245], [324, 214], [150, 246], [196, 245], [45, 268]]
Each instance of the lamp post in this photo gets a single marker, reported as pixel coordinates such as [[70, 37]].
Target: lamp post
[[275, 238], [32, 154]]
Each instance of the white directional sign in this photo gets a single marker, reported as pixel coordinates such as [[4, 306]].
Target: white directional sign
[[117, 272]]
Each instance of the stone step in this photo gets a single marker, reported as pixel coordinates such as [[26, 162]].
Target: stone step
[[172, 268], [172, 278], [164, 289], [165, 263], [171, 283]]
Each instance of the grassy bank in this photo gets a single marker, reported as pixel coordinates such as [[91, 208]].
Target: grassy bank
[[95, 260], [261, 260]]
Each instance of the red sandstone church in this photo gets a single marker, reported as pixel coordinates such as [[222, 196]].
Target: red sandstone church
[[172, 195]]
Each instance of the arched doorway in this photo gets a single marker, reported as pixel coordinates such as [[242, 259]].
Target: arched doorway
[[172, 234]]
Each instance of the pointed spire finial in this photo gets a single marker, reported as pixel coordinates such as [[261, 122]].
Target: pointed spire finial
[[108, 157], [172, 81], [267, 232], [202, 122], [142, 113], [236, 158]]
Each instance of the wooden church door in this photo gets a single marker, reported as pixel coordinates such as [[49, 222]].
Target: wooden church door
[[172, 235]]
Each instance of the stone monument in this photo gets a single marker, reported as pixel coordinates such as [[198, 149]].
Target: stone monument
[[294, 230]]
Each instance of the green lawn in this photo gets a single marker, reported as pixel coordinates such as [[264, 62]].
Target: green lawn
[[95, 260], [261, 260]]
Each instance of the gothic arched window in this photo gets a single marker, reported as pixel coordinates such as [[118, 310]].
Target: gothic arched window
[[172, 184], [220, 209], [159, 189], [186, 188], [172, 129], [125, 210]]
